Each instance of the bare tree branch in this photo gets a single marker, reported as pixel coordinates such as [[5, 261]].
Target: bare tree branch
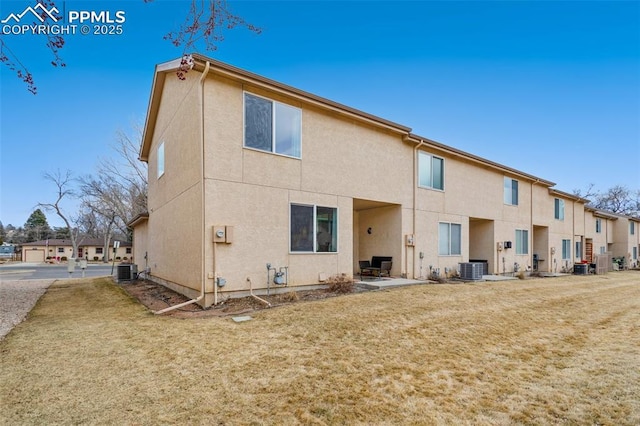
[[64, 190]]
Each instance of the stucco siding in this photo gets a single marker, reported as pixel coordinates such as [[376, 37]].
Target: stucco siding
[[174, 237]]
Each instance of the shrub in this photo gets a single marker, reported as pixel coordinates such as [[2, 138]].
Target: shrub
[[520, 275], [118, 258], [340, 284], [125, 258], [292, 296], [63, 258], [95, 258]]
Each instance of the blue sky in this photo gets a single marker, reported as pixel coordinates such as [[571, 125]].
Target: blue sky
[[549, 88]]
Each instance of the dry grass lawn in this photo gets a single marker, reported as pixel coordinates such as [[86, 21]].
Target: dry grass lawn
[[540, 351]]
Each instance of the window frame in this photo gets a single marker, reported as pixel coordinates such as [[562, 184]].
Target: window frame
[[507, 197], [274, 123], [578, 248], [99, 250], [558, 209], [566, 249], [598, 225], [425, 155], [450, 226], [522, 241], [632, 228], [160, 160], [315, 208]]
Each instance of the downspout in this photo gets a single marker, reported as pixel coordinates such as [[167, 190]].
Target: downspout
[[203, 276], [255, 296], [532, 233], [415, 208]]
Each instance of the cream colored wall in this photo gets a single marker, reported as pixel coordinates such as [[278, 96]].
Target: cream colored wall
[[140, 244], [252, 190], [482, 244], [260, 219], [385, 239], [174, 225], [473, 192], [599, 239], [623, 241], [342, 159]]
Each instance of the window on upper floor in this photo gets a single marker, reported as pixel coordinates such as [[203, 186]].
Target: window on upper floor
[[160, 159], [430, 171], [598, 226], [558, 209], [510, 191], [449, 239], [522, 241], [314, 229], [566, 249], [632, 228], [272, 126]]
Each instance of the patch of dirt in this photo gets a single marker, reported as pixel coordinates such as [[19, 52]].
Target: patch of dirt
[[156, 297]]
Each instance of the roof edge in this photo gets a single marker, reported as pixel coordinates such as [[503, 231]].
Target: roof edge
[[138, 219], [413, 138]]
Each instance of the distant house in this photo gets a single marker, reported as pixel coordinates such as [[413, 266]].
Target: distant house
[[61, 249], [7, 251], [249, 177]]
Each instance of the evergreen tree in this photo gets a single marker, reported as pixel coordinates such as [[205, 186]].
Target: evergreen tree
[[36, 227], [3, 233]]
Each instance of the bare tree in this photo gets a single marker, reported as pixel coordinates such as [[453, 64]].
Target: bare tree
[[98, 222], [64, 191], [617, 199], [117, 192]]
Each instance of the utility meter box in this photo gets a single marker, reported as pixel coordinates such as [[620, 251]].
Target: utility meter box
[[410, 240], [222, 234]]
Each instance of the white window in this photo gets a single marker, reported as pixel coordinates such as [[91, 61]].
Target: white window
[[579, 250], [635, 253], [161, 159], [522, 241], [558, 209], [603, 249], [598, 226], [430, 171], [632, 228], [510, 191], [314, 229], [272, 126], [566, 249], [450, 239], [60, 249]]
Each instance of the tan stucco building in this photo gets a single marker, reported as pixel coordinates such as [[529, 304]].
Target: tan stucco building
[[245, 171], [92, 249]]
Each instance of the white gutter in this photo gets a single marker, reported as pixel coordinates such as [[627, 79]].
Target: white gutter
[[203, 276]]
